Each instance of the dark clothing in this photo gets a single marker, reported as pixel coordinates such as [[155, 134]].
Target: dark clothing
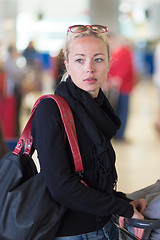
[[122, 111], [89, 207], [30, 55]]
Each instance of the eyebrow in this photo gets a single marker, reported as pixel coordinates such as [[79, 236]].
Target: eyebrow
[[83, 55], [79, 54], [99, 54]]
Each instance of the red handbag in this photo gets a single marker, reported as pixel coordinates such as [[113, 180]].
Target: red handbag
[[28, 211]]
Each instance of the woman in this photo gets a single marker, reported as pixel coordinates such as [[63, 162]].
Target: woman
[[89, 207]]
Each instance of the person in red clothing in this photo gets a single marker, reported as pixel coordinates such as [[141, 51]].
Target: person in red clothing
[[122, 75]]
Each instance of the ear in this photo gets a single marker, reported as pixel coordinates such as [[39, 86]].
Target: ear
[[67, 67]]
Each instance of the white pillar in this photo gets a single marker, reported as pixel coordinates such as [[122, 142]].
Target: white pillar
[[105, 12], [8, 14], [154, 20]]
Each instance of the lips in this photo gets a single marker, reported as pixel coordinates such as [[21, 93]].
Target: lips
[[90, 80]]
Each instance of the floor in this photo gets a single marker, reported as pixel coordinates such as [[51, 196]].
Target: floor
[[138, 160]]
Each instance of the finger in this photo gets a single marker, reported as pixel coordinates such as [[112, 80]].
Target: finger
[[143, 205], [136, 232], [139, 232], [121, 222], [140, 235], [142, 208]]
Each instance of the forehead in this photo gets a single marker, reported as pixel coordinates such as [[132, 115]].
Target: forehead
[[88, 44]]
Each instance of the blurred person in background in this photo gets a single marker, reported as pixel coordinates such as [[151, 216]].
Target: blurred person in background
[[34, 64], [15, 73], [30, 54], [122, 77], [156, 80]]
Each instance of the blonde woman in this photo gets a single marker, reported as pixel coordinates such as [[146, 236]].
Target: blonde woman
[[89, 208]]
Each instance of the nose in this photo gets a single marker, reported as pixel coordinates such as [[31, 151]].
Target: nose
[[90, 67]]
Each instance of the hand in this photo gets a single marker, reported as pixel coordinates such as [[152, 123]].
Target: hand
[[138, 232], [139, 204]]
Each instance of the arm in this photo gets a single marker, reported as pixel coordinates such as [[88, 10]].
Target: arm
[[57, 168], [122, 195]]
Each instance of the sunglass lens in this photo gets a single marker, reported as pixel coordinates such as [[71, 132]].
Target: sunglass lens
[[98, 28], [77, 28]]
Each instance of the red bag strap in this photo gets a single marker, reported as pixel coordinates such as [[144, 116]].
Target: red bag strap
[[69, 126]]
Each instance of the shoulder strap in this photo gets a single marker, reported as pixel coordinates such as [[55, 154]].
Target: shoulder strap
[[69, 126]]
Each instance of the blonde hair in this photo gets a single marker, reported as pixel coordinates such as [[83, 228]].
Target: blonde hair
[[88, 32]]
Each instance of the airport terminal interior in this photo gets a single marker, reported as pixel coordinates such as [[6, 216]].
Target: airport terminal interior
[[44, 24]]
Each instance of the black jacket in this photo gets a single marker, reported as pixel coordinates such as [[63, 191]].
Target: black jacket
[[89, 207]]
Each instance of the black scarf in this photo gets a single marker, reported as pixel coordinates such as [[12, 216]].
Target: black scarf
[[99, 121]]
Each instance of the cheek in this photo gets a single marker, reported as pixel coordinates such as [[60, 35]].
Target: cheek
[[69, 66], [104, 71], [74, 70]]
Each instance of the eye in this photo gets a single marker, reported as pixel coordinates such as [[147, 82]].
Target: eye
[[98, 60], [79, 60]]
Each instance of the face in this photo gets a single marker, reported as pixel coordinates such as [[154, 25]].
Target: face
[[88, 64]]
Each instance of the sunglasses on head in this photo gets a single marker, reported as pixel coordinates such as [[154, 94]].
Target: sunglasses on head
[[83, 28]]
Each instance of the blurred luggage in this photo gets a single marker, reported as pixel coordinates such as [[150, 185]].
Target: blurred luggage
[[8, 115], [2, 82], [7, 108]]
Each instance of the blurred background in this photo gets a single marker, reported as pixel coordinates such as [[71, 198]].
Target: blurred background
[[32, 34]]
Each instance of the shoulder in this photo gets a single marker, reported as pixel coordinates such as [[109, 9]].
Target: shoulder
[[47, 105], [47, 110]]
